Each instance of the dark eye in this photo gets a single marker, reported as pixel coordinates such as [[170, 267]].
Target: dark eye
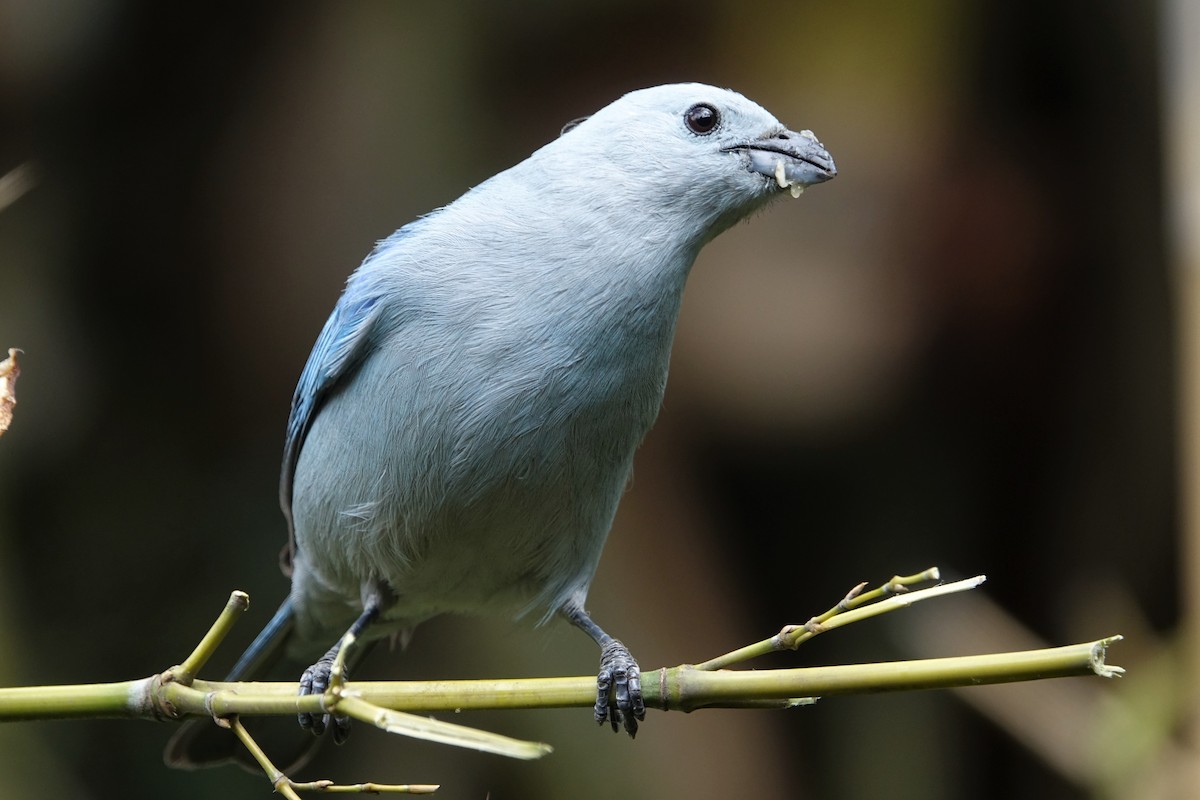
[[701, 118]]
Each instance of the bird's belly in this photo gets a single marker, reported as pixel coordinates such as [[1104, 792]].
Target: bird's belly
[[526, 543], [500, 506]]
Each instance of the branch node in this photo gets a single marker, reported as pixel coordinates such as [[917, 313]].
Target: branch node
[[845, 603]]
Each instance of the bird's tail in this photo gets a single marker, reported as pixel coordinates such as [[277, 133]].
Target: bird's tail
[[200, 743], [267, 647]]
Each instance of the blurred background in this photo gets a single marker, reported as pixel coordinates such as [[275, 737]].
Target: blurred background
[[965, 351]]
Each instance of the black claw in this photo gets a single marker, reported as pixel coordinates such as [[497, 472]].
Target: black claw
[[603, 683], [619, 689], [315, 680], [341, 729]]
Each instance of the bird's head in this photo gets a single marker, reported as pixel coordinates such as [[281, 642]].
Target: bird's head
[[692, 147]]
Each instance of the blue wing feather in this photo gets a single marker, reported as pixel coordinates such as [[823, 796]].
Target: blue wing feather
[[344, 343], [339, 349]]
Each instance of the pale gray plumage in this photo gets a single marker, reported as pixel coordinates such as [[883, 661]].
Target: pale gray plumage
[[467, 421]]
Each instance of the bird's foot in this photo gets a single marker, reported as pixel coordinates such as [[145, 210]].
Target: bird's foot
[[619, 689], [330, 671], [317, 680]]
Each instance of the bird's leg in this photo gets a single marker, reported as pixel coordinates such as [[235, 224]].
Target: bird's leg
[[619, 682], [316, 678]]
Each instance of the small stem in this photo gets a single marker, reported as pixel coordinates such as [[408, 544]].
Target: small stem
[[279, 781], [290, 789], [367, 788], [186, 672], [337, 673], [793, 635], [897, 585], [433, 730]]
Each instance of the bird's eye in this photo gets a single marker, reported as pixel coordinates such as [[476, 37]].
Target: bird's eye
[[701, 118]]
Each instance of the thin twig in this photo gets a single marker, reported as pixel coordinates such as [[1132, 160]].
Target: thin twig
[[279, 781], [290, 789], [367, 788], [793, 635], [186, 672], [433, 730]]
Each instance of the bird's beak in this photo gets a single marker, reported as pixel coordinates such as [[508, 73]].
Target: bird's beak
[[794, 160]]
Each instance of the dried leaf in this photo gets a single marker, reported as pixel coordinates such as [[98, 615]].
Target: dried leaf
[[9, 370]]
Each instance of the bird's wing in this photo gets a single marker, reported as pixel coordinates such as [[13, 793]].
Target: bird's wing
[[341, 348]]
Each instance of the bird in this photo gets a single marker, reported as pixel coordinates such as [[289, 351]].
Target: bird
[[466, 423]]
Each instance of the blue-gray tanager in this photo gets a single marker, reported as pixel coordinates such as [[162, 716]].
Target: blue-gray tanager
[[467, 420]]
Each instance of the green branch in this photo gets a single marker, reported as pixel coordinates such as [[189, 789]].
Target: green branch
[[683, 688], [396, 706]]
